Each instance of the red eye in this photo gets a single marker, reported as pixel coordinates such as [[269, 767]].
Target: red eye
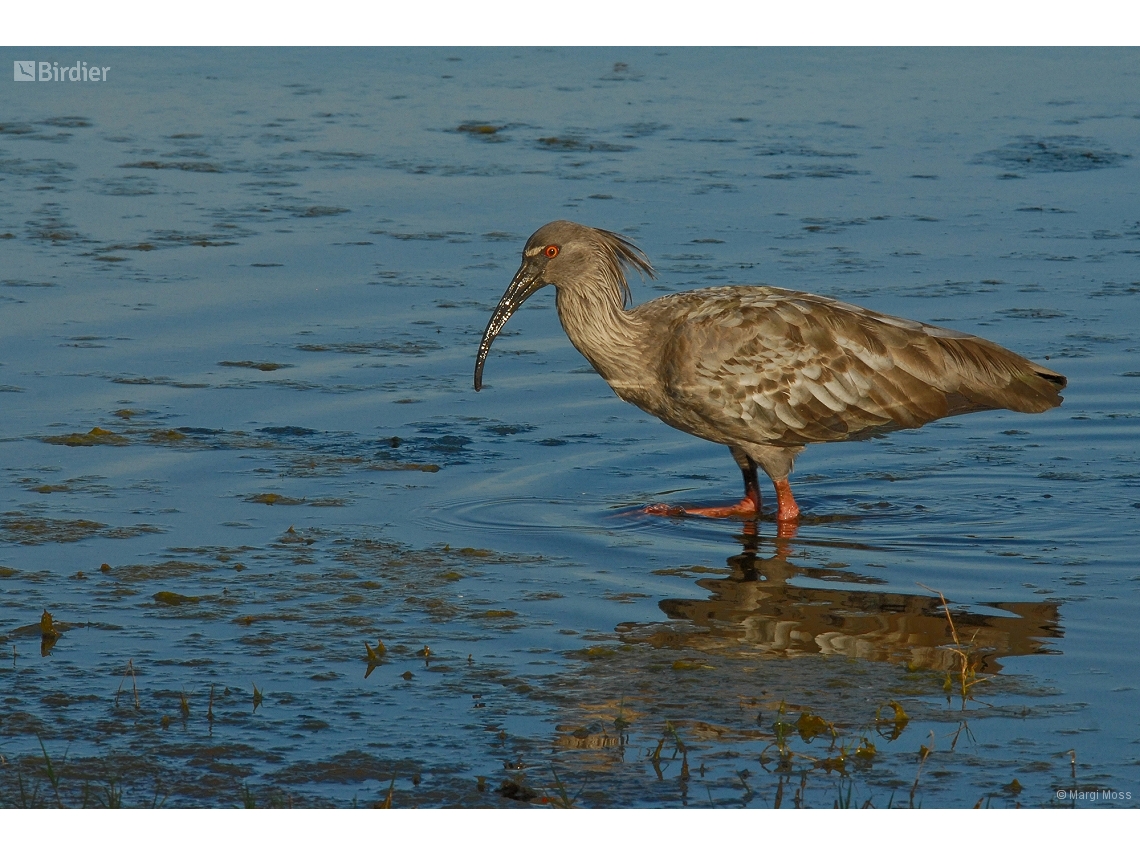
[[550, 251]]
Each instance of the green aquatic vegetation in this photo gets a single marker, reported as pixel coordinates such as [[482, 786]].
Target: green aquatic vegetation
[[251, 619], [811, 726], [47, 629], [795, 748], [679, 752], [185, 166], [163, 571], [247, 800], [259, 366], [516, 789], [17, 527], [49, 633], [655, 756], [273, 499], [285, 501], [405, 348], [437, 608], [689, 664], [969, 657], [395, 466], [295, 451], [479, 129], [96, 436], [109, 795], [626, 597], [386, 803], [220, 554], [924, 752], [866, 751], [374, 656], [28, 530], [167, 436], [158, 381], [595, 652], [896, 723], [471, 552], [47, 626], [562, 798], [169, 598], [626, 708], [52, 775], [130, 672]]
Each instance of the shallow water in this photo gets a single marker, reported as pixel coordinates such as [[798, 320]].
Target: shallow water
[[241, 296]]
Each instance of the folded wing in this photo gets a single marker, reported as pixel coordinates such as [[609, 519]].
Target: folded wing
[[759, 364]]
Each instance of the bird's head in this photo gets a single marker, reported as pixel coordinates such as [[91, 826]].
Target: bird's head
[[566, 255]]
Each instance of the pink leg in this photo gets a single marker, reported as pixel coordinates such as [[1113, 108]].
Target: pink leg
[[787, 509], [749, 506]]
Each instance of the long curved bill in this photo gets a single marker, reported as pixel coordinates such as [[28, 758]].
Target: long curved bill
[[525, 283]]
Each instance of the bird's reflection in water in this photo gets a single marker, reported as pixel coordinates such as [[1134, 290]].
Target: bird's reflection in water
[[757, 608]]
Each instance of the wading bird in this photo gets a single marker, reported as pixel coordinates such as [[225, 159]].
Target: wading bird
[[762, 370]]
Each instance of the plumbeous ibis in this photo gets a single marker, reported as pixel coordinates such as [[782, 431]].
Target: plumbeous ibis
[[762, 370]]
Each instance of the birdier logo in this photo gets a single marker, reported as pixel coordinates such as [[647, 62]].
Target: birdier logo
[[28, 70]]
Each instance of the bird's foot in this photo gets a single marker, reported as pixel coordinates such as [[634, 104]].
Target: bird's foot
[[740, 509], [663, 510], [746, 507], [786, 527]]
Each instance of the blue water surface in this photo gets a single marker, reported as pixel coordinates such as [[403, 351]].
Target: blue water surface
[[290, 557]]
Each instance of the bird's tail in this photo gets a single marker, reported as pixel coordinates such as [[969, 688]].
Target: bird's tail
[[996, 378]]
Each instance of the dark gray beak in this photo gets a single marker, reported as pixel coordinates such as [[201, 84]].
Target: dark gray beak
[[525, 283]]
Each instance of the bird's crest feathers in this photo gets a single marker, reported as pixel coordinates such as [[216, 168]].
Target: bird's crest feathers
[[623, 256]]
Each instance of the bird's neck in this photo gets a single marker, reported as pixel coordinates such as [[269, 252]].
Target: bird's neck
[[598, 325]]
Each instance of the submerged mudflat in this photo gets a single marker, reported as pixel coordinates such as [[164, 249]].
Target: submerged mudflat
[[262, 544]]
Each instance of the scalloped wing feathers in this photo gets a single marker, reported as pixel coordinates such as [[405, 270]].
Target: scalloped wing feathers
[[754, 364]]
